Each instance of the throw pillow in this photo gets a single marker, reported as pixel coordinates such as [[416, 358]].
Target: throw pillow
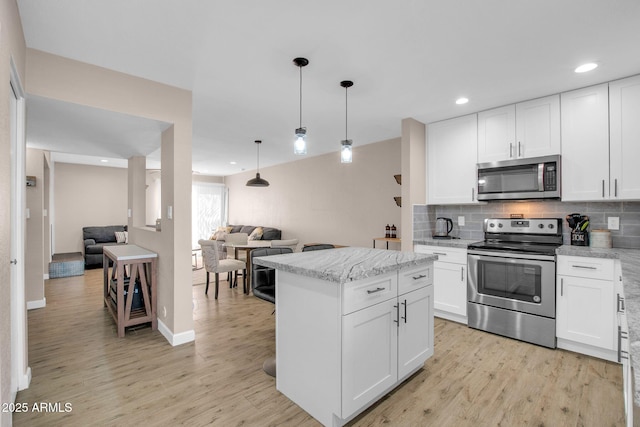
[[256, 234], [120, 237], [220, 233]]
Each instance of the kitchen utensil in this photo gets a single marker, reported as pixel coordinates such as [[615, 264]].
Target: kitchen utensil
[[573, 219], [580, 226], [443, 228]]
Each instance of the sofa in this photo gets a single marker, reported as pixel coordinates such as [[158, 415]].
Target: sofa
[[95, 238], [268, 233]]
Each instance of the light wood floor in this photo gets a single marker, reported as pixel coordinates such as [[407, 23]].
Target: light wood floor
[[474, 378]]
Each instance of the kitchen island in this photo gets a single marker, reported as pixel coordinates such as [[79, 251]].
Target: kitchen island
[[351, 325]]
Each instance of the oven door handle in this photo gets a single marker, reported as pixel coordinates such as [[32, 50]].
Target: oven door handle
[[508, 254]]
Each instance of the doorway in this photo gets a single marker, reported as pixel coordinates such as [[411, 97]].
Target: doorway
[[20, 372]]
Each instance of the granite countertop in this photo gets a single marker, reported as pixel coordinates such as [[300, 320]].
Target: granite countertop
[[343, 265], [450, 243], [630, 262]]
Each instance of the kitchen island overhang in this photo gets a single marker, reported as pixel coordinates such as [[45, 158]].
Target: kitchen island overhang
[[351, 325]]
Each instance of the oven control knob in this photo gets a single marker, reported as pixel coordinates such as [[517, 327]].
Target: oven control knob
[[540, 225], [492, 225], [500, 225], [551, 226], [536, 298]]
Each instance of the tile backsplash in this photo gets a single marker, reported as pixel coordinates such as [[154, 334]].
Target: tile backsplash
[[628, 236]]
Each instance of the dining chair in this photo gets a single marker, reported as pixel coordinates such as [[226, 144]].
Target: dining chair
[[232, 239], [289, 243], [213, 264], [263, 281], [317, 247]]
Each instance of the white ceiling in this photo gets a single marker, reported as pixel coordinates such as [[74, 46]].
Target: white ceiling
[[407, 58]]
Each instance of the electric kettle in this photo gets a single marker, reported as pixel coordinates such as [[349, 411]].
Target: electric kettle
[[443, 228]]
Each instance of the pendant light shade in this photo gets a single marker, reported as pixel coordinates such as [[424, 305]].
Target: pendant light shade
[[257, 181], [346, 154], [300, 145]]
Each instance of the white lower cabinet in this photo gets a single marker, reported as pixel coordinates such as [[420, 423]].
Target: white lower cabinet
[[341, 348], [396, 332], [586, 306], [449, 281], [369, 354]]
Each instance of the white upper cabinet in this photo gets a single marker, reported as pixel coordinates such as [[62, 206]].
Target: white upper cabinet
[[451, 161], [527, 129], [624, 117], [585, 144], [600, 148], [496, 134]]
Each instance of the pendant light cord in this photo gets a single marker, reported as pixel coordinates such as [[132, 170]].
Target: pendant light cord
[[300, 97], [346, 114]]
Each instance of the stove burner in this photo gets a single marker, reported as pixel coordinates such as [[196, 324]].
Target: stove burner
[[536, 235]]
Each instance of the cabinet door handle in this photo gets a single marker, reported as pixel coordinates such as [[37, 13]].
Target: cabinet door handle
[[461, 274], [615, 187], [603, 188], [619, 344], [621, 336], [422, 276], [14, 262], [510, 149], [620, 308], [561, 287], [586, 267], [440, 253], [397, 319], [473, 194], [519, 149], [373, 291], [405, 311]]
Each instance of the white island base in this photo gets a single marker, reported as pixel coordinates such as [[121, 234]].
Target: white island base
[[341, 347]]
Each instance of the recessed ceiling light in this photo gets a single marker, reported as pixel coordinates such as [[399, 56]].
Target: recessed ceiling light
[[586, 67], [461, 101], [104, 161], [233, 163]]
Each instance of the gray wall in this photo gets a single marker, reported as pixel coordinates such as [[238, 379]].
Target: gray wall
[[627, 237]]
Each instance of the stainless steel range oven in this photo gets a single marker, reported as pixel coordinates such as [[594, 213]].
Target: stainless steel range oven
[[512, 279]]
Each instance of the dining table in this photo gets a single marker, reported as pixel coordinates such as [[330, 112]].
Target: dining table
[[247, 248]]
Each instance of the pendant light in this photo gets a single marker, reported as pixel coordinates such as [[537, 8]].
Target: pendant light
[[300, 145], [345, 152], [257, 181]]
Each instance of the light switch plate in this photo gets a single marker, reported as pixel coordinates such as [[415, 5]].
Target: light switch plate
[[169, 212], [613, 223], [461, 221]]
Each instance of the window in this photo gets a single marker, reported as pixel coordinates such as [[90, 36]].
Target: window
[[208, 210]]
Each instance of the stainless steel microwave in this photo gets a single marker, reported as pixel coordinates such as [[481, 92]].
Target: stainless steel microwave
[[520, 179]]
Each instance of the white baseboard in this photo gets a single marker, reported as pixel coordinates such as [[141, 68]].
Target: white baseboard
[[25, 380], [36, 304], [176, 339], [45, 276]]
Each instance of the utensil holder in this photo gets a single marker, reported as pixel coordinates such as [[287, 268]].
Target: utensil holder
[[580, 238]]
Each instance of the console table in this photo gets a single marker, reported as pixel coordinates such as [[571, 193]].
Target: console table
[[142, 264]]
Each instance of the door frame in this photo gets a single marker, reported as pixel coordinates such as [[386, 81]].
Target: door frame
[[20, 371]]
